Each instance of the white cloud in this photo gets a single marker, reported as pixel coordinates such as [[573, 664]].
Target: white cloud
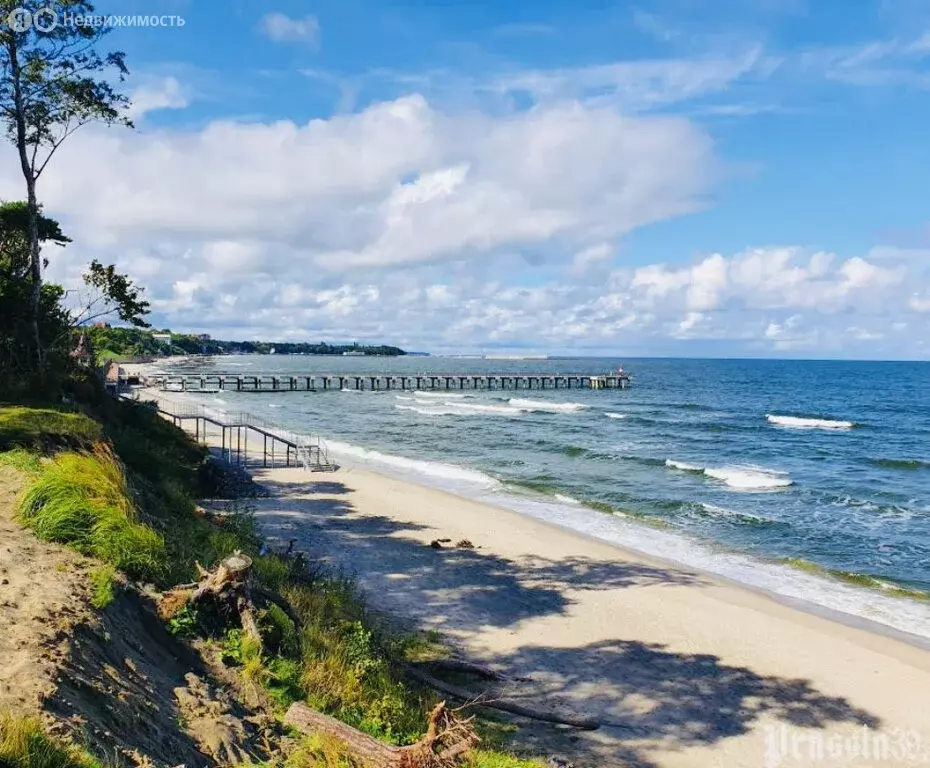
[[399, 183], [409, 224], [164, 93], [283, 29]]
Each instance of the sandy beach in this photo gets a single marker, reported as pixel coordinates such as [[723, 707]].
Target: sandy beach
[[680, 667]]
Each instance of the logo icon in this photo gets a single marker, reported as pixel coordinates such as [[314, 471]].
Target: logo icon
[[21, 20]]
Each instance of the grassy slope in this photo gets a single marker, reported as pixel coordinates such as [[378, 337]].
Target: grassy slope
[[127, 498]]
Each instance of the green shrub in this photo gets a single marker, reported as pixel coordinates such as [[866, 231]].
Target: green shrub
[[83, 500], [24, 744]]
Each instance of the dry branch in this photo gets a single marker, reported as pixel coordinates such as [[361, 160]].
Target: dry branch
[[504, 705]]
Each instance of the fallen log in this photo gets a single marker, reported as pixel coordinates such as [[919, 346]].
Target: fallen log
[[504, 705], [446, 744]]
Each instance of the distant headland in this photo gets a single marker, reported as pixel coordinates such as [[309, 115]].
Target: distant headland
[[114, 343]]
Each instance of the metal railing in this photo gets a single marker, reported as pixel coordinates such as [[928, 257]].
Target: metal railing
[[309, 449]]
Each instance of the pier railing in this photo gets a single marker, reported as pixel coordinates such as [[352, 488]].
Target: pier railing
[[278, 445], [314, 382]]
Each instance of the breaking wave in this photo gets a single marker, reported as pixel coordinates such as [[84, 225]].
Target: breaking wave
[[797, 422], [741, 478], [545, 406]]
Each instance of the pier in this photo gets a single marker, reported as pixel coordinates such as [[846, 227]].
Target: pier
[[321, 382]]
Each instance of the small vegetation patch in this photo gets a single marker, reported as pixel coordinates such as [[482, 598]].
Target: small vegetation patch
[[24, 744], [104, 582]]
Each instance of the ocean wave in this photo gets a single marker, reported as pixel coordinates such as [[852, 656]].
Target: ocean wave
[[440, 395], [612, 415], [681, 465], [743, 478], [546, 406], [797, 422], [742, 517], [566, 499], [900, 463], [436, 470], [452, 408]]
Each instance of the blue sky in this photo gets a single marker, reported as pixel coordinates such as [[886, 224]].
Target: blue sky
[[737, 177]]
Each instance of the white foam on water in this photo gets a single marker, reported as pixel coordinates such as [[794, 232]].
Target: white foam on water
[[566, 499], [440, 395], [612, 415], [795, 422], [436, 473], [433, 408], [748, 478], [546, 406], [742, 478], [346, 389]]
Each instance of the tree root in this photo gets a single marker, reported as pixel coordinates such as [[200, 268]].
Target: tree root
[[446, 744], [231, 585]]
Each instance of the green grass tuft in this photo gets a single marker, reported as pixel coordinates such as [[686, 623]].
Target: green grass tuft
[[104, 582], [83, 500], [21, 459], [24, 744]]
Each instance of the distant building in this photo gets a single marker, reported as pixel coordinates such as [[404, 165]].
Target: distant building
[[162, 338], [203, 337]]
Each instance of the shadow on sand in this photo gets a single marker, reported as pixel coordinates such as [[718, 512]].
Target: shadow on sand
[[649, 698]]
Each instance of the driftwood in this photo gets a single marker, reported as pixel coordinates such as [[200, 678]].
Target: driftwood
[[446, 744], [504, 705]]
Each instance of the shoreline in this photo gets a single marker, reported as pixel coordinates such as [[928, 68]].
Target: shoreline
[[685, 668], [815, 591]]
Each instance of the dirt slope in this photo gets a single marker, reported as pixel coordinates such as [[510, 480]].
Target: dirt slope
[[115, 680]]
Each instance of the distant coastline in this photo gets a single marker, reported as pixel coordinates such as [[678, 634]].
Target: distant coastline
[[117, 343]]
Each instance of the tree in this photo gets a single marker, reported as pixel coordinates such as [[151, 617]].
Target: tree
[[51, 85], [107, 293], [111, 293]]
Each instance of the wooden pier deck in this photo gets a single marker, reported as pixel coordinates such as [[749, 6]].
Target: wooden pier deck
[[320, 382]]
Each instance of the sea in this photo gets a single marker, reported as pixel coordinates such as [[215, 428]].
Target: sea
[[809, 480]]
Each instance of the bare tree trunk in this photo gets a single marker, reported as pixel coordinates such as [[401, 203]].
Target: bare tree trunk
[[35, 254]]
